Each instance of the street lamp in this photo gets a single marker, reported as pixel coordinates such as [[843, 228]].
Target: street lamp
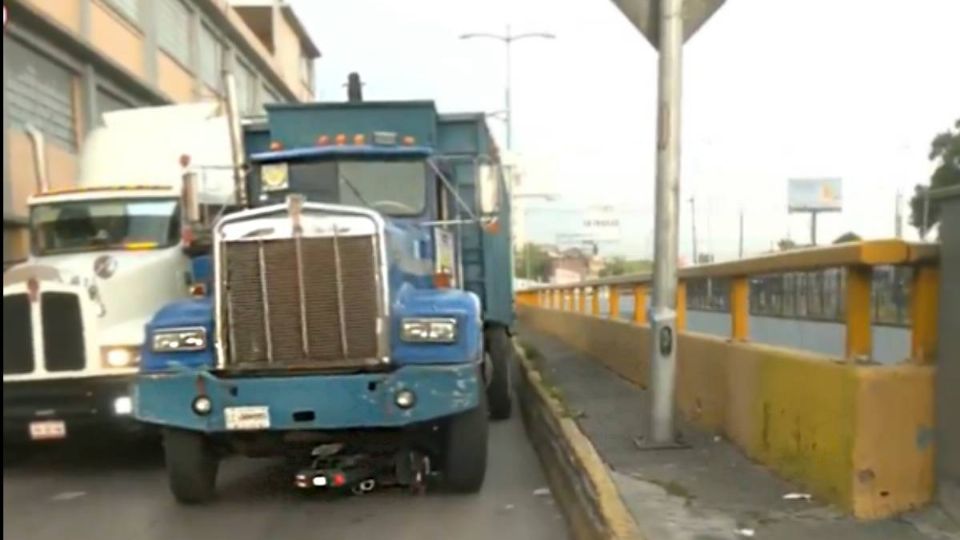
[[508, 40]]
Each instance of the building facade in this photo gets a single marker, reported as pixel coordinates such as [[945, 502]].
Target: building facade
[[66, 62]]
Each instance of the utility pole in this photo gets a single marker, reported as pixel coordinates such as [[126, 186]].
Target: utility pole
[[898, 216], [508, 39], [741, 232], [813, 227], [693, 223]]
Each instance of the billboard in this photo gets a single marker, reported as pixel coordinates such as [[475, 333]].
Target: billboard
[[601, 224], [815, 195]]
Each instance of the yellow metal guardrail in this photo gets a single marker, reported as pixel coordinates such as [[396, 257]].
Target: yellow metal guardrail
[[857, 260]]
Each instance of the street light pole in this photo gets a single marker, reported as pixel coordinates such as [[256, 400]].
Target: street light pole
[[508, 98], [663, 312], [508, 39]]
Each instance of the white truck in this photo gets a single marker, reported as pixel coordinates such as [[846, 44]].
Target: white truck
[[105, 256]]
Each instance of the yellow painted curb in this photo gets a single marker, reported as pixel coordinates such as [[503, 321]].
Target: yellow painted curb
[[611, 519]]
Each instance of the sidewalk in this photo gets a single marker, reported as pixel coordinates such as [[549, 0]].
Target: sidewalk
[[709, 491]]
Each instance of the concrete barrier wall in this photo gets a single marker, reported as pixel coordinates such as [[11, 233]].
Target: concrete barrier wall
[[858, 436]]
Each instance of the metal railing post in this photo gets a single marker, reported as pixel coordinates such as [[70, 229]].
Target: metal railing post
[[640, 304], [740, 309], [924, 311], [859, 338], [614, 302]]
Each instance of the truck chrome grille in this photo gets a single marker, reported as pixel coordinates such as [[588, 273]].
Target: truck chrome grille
[[287, 303], [17, 335], [63, 344]]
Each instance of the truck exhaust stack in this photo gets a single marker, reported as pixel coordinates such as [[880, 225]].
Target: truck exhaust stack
[[354, 88]]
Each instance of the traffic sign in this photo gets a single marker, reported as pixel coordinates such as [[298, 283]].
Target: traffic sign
[[645, 15]]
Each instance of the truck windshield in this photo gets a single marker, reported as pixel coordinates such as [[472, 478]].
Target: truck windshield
[[395, 188], [78, 226]]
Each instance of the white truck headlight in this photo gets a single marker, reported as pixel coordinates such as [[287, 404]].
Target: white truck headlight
[[180, 339], [120, 357], [429, 330]]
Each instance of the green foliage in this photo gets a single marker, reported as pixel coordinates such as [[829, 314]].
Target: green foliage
[[619, 266], [945, 150], [786, 245], [848, 238], [532, 262]]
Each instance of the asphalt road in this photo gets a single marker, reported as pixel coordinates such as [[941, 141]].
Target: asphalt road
[[113, 490]]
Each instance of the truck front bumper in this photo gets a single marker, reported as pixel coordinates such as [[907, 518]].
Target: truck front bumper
[[80, 404], [292, 402]]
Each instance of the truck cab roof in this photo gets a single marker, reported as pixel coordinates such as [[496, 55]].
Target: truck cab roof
[[103, 193]]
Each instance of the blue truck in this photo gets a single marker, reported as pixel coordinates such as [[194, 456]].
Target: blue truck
[[359, 306]]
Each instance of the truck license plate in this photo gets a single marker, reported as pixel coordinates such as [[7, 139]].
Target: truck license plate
[[48, 430], [247, 418]]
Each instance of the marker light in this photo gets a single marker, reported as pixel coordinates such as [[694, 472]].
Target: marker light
[[359, 140], [409, 141], [442, 280], [139, 246], [276, 146], [323, 140], [341, 139], [339, 480]]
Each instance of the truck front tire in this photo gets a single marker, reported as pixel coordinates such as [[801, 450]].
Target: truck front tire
[[500, 349], [191, 466], [465, 451]]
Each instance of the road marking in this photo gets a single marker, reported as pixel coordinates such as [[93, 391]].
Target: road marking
[[68, 496]]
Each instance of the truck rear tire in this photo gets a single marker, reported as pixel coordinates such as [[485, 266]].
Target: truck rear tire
[[498, 389], [191, 466], [465, 451]]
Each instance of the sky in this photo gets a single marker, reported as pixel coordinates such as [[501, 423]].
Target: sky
[[772, 90]]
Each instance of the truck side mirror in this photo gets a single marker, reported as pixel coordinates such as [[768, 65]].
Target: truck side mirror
[[195, 237], [196, 240], [488, 188]]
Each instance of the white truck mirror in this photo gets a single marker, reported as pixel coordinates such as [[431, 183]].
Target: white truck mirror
[[488, 188]]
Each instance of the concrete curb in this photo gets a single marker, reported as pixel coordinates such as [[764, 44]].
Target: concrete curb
[[578, 477]]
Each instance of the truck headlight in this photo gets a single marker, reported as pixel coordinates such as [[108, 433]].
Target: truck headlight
[[429, 330], [119, 357], [180, 339]]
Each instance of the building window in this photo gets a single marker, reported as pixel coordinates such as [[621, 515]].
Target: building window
[[267, 96], [306, 70], [173, 26], [247, 89], [210, 57], [128, 8], [40, 92], [107, 103]]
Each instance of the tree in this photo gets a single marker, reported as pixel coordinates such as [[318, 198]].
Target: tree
[[619, 266], [539, 263], [945, 150], [848, 238], [786, 245]]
